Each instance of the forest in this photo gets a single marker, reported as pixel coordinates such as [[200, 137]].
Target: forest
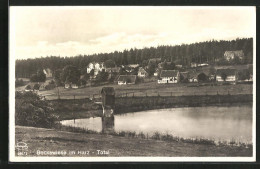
[[210, 52]]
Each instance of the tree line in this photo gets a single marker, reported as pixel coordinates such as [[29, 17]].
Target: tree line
[[211, 52]]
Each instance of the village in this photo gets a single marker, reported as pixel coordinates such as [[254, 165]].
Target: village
[[155, 72]]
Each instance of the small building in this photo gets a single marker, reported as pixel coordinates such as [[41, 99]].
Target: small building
[[227, 75], [126, 79], [178, 66], [230, 55], [69, 85], [169, 76], [133, 66], [157, 72], [192, 77], [42, 87], [108, 96], [142, 72], [47, 72], [97, 67], [184, 76], [193, 64], [74, 86], [203, 64]]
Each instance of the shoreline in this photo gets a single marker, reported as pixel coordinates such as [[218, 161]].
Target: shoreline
[[79, 114]]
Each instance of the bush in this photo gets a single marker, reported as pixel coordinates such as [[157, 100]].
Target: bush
[[32, 110], [19, 82], [28, 87], [36, 87]]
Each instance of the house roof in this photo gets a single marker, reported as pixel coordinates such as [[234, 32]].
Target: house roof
[[113, 69], [142, 70], [108, 90], [228, 72], [184, 74], [125, 78], [169, 73], [133, 65]]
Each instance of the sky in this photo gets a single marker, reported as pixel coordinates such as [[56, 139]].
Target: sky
[[70, 31]]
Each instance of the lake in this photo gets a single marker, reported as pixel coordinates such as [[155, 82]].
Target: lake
[[219, 123]]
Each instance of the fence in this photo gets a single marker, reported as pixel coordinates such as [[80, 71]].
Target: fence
[[147, 94]]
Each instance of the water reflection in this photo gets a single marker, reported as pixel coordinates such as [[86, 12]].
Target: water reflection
[[108, 124], [219, 123]]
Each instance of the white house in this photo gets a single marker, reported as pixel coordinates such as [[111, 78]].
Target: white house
[[70, 85], [230, 55], [193, 64], [142, 72], [97, 67], [228, 75], [169, 76], [47, 72]]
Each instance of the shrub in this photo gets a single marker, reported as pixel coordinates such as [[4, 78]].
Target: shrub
[[36, 86], [32, 110]]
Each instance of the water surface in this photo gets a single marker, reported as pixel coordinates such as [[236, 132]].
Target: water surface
[[219, 123]]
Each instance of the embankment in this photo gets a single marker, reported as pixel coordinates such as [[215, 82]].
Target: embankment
[[84, 108], [132, 104]]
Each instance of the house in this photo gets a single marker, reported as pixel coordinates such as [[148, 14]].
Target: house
[[192, 77], [193, 64], [157, 72], [184, 76], [69, 85], [142, 72], [42, 87], [161, 65], [227, 75], [133, 66], [169, 76], [97, 67], [178, 66], [126, 79], [230, 55], [47, 72], [202, 64]]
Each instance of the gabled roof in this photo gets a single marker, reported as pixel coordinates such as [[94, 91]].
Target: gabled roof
[[142, 70], [184, 74], [108, 90], [169, 73], [125, 78], [228, 72]]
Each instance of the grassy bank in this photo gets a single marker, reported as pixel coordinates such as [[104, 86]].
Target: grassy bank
[[160, 136], [151, 89], [50, 140]]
